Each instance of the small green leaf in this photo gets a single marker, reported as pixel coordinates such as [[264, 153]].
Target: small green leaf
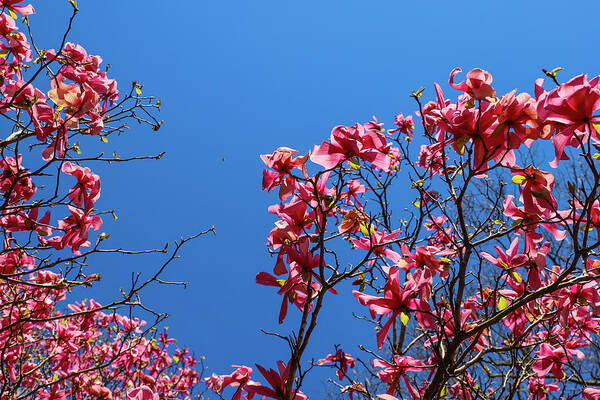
[[460, 144], [502, 303], [12, 13], [596, 156], [596, 125], [354, 164], [404, 318], [364, 228], [516, 276], [555, 70], [444, 391], [138, 90], [103, 139], [518, 179]]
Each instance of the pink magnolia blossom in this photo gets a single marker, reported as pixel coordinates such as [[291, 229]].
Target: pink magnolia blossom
[[18, 46], [347, 142], [377, 242], [76, 228], [591, 393], [282, 162], [391, 373], [277, 380], [478, 83], [463, 388], [354, 188], [237, 378], [404, 124], [570, 107], [294, 290], [550, 359], [14, 180], [528, 224], [87, 189], [535, 187], [142, 393], [345, 360], [395, 301], [539, 389], [11, 5], [510, 259]]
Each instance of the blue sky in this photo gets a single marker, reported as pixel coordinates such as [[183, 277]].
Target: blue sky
[[238, 79]]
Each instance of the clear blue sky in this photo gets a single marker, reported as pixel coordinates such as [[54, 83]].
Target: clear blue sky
[[241, 78]]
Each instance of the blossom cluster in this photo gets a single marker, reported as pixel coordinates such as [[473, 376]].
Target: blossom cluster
[[481, 300], [87, 350]]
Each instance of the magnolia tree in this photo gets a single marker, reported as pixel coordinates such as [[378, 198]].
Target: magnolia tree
[[483, 285], [53, 102]]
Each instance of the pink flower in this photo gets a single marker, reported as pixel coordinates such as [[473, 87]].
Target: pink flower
[[395, 301], [535, 187], [15, 181], [509, 259], [377, 243], [237, 378], [539, 389], [294, 290], [570, 107], [76, 228], [278, 382], [282, 162], [142, 393], [591, 393], [347, 142], [24, 10], [550, 359], [391, 373], [478, 83], [405, 125], [87, 189], [354, 188], [345, 360]]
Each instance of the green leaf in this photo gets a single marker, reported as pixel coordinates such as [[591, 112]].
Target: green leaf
[[460, 144], [12, 13], [516, 276], [444, 391], [138, 90], [364, 228], [518, 179], [596, 125], [554, 71], [404, 318], [74, 4], [502, 303], [103, 139], [354, 164]]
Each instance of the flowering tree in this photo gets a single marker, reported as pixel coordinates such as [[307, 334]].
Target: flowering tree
[[484, 287], [53, 102]]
